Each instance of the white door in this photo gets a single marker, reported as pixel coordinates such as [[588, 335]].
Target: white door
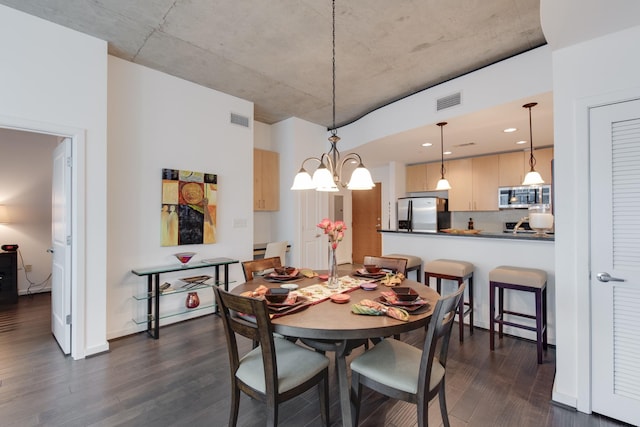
[[315, 247], [615, 260], [61, 260]]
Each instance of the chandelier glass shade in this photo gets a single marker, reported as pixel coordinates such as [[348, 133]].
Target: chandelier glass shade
[[532, 177], [443, 184], [329, 174]]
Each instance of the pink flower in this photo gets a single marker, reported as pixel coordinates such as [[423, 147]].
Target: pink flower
[[335, 230]]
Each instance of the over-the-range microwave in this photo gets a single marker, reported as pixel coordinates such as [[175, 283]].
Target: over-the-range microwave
[[523, 197]]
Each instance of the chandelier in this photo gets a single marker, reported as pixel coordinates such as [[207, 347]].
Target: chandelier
[[532, 177], [328, 176]]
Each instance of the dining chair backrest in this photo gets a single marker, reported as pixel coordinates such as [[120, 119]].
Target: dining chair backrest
[[250, 267], [397, 265], [438, 335], [277, 249], [255, 372]]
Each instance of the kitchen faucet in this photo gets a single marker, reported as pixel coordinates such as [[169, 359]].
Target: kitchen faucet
[[523, 219]]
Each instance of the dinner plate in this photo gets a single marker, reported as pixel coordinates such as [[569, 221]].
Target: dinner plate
[[374, 276], [274, 278], [279, 306], [410, 307], [290, 286]]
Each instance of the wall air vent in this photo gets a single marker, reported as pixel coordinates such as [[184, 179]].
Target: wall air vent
[[448, 101], [237, 119]]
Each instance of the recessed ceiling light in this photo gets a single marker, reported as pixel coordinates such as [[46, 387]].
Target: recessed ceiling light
[[509, 130], [447, 152], [427, 144], [521, 142]]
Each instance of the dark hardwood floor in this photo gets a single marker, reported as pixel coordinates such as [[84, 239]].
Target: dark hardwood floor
[[183, 380]]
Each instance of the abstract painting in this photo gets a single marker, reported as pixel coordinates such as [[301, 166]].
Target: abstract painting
[[189, 207]]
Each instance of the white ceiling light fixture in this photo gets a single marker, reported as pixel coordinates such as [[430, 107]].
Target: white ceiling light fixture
[[532, 177], [328, 175], [443, 184]]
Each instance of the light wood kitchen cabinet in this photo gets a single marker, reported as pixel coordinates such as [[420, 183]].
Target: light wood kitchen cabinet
[[474, 184], [543, 158], [514, 166], [459, 173], [416, 178], [485, 183], [511, 166], [422, 177], [266, 180]]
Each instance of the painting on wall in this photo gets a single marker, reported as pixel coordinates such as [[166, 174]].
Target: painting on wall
[[189, 206]]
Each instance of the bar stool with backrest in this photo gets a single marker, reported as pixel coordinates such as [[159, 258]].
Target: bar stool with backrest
[[459, 271], [414, 263], [519, 279]]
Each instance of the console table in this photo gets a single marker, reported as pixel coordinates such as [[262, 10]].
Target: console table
[[153, 286]]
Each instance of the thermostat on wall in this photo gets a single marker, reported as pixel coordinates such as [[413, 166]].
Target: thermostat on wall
[[10, 248]]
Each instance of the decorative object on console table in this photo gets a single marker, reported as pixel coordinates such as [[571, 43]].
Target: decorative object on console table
[[189, 206], [335, 231], [193, 300]]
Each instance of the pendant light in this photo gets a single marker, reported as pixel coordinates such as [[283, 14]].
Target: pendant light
[[532, 177], [328, 175], [443, 184]]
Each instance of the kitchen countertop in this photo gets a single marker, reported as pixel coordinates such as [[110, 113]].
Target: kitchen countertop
[[481, 235]]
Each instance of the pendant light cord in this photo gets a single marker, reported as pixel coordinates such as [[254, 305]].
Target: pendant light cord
[[532, 160], [441, 124], [333, 64]]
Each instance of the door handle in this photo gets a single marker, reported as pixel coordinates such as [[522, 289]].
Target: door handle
[[606, 277]]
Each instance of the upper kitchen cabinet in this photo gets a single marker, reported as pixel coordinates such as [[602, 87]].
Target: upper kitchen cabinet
[[514, 166], [416, 178], [266, 180], [422, 177], [474, 184], [459, 173], [485, 183]]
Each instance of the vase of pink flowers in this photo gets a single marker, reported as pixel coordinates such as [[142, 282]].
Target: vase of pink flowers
[[335, 231]]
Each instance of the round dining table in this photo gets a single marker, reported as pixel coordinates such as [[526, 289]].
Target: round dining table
[[324, 321]]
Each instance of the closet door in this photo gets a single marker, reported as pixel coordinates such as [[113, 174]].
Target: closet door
[[615, 260]]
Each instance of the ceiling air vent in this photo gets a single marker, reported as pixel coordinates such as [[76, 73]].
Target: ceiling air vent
[[237, 119], [448, 101]]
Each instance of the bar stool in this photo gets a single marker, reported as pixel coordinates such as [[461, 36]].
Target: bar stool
[[519, 279], [414, 263], [459, 271]]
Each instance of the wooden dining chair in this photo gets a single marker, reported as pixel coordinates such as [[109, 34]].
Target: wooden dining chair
[[397, 265], [402, 371], [253, 266], [274, 371]]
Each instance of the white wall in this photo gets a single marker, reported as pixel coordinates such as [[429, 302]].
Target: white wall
[[521, 76], [158, 121], [56, 78], [25, 177]]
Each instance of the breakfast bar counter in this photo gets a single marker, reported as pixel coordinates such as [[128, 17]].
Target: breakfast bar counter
[[485, 251]]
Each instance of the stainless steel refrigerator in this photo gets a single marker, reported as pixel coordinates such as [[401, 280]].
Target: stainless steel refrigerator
[[423, 214]]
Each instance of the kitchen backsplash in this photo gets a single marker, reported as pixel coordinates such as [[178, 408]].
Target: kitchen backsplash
[[489, 221]]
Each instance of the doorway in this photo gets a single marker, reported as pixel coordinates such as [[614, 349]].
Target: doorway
[[76, 285], [366, 221]]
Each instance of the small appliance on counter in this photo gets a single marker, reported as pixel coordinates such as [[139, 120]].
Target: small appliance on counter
[[423, 214]]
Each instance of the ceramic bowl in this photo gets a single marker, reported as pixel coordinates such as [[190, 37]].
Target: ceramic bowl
[[372, 268], [276, 295], [284, 271], [405, 293]]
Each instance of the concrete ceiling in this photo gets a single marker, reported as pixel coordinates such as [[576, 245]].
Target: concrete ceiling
[[277, 53]]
